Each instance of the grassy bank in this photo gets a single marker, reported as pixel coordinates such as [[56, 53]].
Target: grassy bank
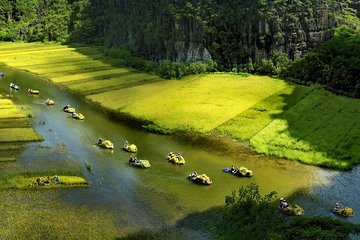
[[276, 117]]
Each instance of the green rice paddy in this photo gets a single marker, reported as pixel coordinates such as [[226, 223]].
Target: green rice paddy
[[275, 117], [26, 182], [14, 130]]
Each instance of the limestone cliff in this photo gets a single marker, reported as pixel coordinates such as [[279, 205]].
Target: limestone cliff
[[228, 31]]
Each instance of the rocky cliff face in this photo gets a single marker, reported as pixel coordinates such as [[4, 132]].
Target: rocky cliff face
[[280, 28], [259, 33], [228, 31], [296, 33]]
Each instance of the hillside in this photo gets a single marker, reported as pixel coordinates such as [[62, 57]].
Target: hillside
[[229, 32]]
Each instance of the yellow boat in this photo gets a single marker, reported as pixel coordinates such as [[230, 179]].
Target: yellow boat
[[130, 147], [49, 102], [78, 116], [176, 159]]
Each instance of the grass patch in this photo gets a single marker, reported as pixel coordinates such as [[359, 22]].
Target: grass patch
[[31, 182], [11, 113], [7, 159], [19, 135]]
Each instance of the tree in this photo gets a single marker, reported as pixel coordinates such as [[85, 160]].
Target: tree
[[248, 215]]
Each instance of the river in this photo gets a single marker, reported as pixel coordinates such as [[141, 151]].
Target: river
[[160, 195]]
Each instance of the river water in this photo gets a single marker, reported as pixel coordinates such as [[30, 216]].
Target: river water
[[161, 195]]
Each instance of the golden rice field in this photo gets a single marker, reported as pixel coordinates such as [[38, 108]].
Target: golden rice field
[[81, 69], [276, 117], [14, 129], [203, 103]]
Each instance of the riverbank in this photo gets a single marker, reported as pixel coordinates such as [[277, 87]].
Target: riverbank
[[275, 117]]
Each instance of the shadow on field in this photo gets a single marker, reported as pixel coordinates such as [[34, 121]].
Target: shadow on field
[[315, 127], [100, 54]]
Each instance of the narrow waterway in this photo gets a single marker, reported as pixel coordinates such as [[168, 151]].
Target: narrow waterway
[[160, 195]]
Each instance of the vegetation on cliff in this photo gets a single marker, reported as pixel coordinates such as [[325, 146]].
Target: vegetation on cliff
[[335, 64]]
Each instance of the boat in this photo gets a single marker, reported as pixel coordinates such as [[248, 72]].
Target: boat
[[103, 143], [140, 163], [33, 91], [49, 102], [200, 178], [344, 211], [78, 116], [292, 210], [13, 86], [130, 147], [176, 159], [239, 171], [68, 109]]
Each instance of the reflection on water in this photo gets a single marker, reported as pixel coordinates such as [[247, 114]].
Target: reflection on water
[[160, 194]]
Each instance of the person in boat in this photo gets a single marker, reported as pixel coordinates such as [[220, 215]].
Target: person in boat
[[100, 141], [235, 170], [57, 180], [66, 107], [337, 207], [171, 154], [179, 156], [192, 175], [232, 169], [283, 203], [126, 144], [132, 159]]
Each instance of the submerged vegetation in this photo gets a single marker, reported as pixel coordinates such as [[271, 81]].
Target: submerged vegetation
[[32, 214]]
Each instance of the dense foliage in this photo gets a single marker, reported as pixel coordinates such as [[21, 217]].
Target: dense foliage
[[248, 215], [177, 36], [34, 20], [335, 64]]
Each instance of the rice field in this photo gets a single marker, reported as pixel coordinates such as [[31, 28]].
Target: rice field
[[202, 103], [18, 135], [20, 182], [322, 129], [251, 121], [14, 130], [276, 117]]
